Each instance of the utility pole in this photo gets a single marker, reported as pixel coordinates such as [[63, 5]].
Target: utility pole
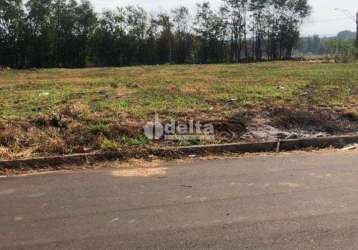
[[356, 43]]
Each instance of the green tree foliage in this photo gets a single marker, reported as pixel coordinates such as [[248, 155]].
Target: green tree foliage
[[58, 33], [68, 33], [12, 33], [182, 38], [211, 34]]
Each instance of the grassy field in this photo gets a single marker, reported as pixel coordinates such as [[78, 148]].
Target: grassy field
[[64, 110]]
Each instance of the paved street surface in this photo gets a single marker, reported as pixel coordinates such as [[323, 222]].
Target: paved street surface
[[288, 201]]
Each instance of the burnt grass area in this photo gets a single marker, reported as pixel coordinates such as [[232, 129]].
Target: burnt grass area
[[315, 120], [269, 124], [69, 132]]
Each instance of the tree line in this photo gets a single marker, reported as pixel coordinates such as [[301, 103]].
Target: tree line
[[67, 33]]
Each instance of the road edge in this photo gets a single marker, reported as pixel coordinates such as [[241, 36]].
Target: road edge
[[177, 152]]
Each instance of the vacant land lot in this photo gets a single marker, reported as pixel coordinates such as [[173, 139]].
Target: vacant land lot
[[54, 111]]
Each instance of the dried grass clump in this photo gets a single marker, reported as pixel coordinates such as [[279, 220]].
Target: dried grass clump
[[5, 153], [41, 120], [52, 146], [7, 138], [75, 110]]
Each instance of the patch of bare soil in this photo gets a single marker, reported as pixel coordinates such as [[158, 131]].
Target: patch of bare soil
[[294, 122], [315, 120], [269, 124]]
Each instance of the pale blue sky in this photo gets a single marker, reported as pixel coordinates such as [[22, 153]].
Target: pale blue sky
[[324, 20]]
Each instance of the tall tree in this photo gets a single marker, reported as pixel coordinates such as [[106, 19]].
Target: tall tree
[[136, 22], [165, 40], [210, 30], [257, 9], [237, 12], [109, 39], [39, 32], [11, 33], [86, 21], [182, 38]]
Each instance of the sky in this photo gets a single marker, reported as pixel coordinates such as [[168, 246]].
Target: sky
[[324, 21]]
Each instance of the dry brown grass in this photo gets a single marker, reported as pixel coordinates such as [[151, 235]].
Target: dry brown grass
[[55, 111]]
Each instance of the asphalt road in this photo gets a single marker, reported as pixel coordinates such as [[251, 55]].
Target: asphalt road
[[289, 201]]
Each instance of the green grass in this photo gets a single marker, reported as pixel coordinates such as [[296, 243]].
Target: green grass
[[92, 100], [140, 91]]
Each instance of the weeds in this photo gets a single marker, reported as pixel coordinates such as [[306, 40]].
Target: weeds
[[109, 145], [62, 111]]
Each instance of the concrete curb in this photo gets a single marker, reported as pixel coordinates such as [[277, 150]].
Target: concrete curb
[[176, 152], [55, 161]]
